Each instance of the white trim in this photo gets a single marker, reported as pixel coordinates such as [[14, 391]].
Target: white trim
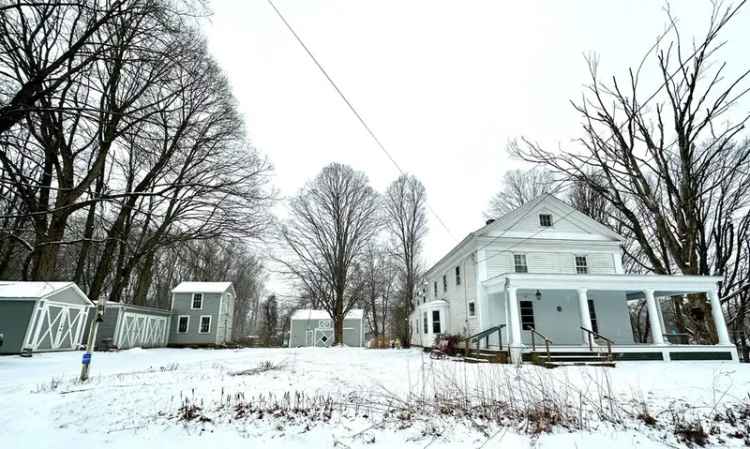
[[218, 315], [192, 301], [200, 324], [187, 326], [30, 326]]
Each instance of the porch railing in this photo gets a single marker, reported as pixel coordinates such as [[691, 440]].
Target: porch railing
[[547, 341], [476, 338], [594, 335]]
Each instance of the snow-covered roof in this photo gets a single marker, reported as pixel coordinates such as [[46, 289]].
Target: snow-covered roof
[[202, 287], [32, 289], [319, 314]]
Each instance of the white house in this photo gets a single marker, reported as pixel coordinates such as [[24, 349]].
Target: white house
[[547, 271]]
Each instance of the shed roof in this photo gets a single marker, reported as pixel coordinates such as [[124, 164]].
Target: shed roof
[[31, 290], [202, 287], [319, 314]]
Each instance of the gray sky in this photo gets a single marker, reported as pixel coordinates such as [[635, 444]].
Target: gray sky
[[444, 85]]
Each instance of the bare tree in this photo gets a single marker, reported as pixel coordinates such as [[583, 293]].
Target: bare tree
[[332, 219], [672, 165], [269, 321], [406, 209], [518, 188], [379, 285]]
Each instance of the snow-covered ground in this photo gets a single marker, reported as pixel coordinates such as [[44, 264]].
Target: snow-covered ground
[[134, 397]]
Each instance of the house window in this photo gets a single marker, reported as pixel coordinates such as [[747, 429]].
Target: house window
[[458, 275], [472, 309], [205, 324], [182, 324], [424, 322], [416, 329], [520, 263], [581, 265], [527, 315], [435, 321], [592, 315], [445, 283], [545, 220], [435, 285], [197, 301]]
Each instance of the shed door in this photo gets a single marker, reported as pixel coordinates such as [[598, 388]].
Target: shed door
[[57, 326], [141, 329], [323, 337]]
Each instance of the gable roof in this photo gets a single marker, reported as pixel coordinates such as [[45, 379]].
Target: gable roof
[[202, 287], [505, 223], [32, 290], [580, 220]]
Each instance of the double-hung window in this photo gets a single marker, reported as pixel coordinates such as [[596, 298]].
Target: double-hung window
[[434, 284], [472, 309], [527, 315], [592, 315], [435, 321], [581, 265], [445, 283], [519, 260], [424, 322], [205, 326], [458, 275], [182, 324], [197, 301]]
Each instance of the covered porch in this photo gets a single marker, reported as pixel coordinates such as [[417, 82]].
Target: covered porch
[[578, 316]]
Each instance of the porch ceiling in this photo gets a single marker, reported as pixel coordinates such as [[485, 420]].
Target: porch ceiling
[[625, 282]]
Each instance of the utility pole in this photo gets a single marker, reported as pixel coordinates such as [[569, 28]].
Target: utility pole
[[86, 361]]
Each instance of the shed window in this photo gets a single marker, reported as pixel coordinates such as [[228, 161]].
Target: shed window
[[545, 220], [458, 275], [445, 283], [472, 309], [592, 315], [527, 315], [581, 265], [182, 324], [424, 322], [519, 261], [435, 321], [205, 324], [197, 301]]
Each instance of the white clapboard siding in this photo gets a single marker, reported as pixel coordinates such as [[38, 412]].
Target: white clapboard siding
[[567, 263], [498, 263], [543, 262], [601, 263]]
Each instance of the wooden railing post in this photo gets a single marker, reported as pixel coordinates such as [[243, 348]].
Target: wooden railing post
[[533, 343]]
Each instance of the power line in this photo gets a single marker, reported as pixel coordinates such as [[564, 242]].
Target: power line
[[352, 108]]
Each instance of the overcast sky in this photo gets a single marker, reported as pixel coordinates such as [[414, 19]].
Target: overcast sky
[[444, 85]]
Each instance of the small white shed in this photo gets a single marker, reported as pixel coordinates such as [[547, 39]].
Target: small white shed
[[314, 327]]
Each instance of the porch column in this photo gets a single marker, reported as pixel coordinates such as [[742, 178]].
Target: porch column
[[657, 334], [583, 306], [515, 345], [718, 315]]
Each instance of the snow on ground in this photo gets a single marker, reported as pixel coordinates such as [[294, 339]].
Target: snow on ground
[[133, 398]]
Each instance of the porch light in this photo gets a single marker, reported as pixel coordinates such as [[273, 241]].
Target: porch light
[[538, 295]]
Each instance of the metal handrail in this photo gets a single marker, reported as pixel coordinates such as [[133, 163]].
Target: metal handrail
[[593, 334], [486, 335], [547, 341]]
